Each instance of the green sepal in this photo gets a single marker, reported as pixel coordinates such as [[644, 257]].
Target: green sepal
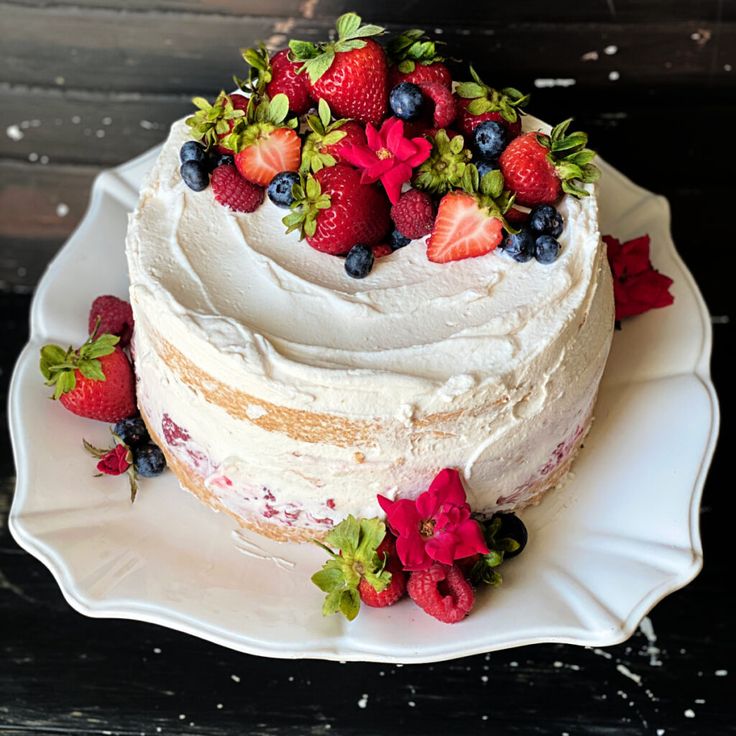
[[508, 101], [413, 47], [353, 558], [308, 202], [262, 116], [490, 194], [211, 120], [444, 169], [324, 132], [485, 569], [571, 159]]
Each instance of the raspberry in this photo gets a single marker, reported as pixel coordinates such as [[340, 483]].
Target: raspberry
[[235, 192], [393, 592], [443, 592], [116, 318], [444, 102], [413, 214]]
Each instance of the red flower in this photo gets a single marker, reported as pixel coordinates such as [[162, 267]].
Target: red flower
[[388, 156], [637, 286], [115, 462], [436, 526]]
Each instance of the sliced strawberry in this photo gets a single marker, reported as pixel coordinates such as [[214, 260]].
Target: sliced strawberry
[[277, 151], [462, 230]]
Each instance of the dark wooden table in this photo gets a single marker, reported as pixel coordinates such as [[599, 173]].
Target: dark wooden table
[[88, 85]]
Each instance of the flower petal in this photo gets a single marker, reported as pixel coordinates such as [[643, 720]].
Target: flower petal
[[448, 486], [423, 148], [374, 138], [360, 156], [412, 553], [469, 537], [441, 547], [393, 179]]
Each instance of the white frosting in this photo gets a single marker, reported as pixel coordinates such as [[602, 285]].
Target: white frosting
[[511, 353]]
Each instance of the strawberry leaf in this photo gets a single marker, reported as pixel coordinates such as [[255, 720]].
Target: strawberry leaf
[[51, 355], [92, 369], [65, 383], [347, 25]]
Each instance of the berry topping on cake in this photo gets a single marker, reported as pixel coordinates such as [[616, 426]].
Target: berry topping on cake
[[470, 223], [415, 59], [195, 175], [359, 261], [396, 240], [406, 101], [547, 249], [281, 189], [94, 381], [439, 99], [413, 214], [444, 168], [381, 250], [350, 74], [132, 431], [519, 245], [278, 75], [477, 102], [111, 315], [192, 151], [538, 168], [335, 211], [327, 139], [443, 592], [489, 140], [545, 219], [219, 159], [212, 122], [235, 192], [265, 141], [353, 548]]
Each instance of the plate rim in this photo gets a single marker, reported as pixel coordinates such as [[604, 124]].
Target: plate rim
[[105, 183]]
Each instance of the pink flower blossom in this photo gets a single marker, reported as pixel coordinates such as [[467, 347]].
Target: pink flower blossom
[[437, 526], [388, 156], [115, 462]]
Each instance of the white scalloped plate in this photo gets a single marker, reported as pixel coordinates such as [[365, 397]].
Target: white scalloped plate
[[621, 535]]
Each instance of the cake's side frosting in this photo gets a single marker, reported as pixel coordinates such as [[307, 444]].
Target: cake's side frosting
[[293, 394]]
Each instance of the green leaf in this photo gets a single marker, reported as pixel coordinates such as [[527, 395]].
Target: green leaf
[[570, 188], [567, 170], [350, 603], [317, 66], [92, 369], [372, 532], [332, 603], [65, 383], [345, 535], [325, 115], [333, 137], [560, 129], [347, 25], [494, 183], [201, 103], [313, 188], [304, 50], [471, 179], [278, 108], [574, 140], [329, 578], [50, 355], [471, 90], [407, 66], [581, 158], [591, 173], [479, 106]]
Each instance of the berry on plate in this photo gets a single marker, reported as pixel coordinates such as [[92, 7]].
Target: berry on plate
[[192, 151], [415, 59], [115, 318], [265, 141], [470, 223], [353, 546], [439, 98], [538, 167], [324, 144], [212, 122], [406, 101], [334, 211], [545, 219], [359, 261], [506, 537], [444, 168], [149, 461], [281, 189], [547, 249], [442, 591], [195, 175], [489, 139], [413, 214], [234, 191], [132, 431], [477, 102], [94, 381], [350, 74], [519, 245]]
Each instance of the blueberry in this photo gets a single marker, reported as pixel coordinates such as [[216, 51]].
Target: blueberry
[[546, 249], [485, 167], [132, 431], [359, 262], [512, 526], [489, 139], [546, 219], [149, 461], [192, 151], [406, 101], [195, 175], [520, 246], [396, 240], [219, 159], [280, 188]]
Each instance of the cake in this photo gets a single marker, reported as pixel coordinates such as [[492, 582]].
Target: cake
[[288, 395]]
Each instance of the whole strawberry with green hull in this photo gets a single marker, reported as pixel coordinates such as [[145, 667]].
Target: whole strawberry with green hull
[[350, 74], [277, 74], [470, 222], [94, 381], [477, 102], [211, 123], [264, 141], [334, 211], [444, 169], [323, 144], [414, 58], [538, 167]]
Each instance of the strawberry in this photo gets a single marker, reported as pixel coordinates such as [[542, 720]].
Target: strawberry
[[211, 123], [115, 317], [334, 211], [264, 141], [442, 101], [323, 144], [415, 59], [94, 381], [538, 168], [350, 74], [477, 102], [444, 168], [235, 192], [470, 223], [278, 75], [356, 570]]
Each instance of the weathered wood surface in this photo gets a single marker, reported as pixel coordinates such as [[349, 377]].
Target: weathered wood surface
[[90, 84]]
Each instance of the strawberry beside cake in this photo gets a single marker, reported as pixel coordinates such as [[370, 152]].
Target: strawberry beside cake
[[336, 303]]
